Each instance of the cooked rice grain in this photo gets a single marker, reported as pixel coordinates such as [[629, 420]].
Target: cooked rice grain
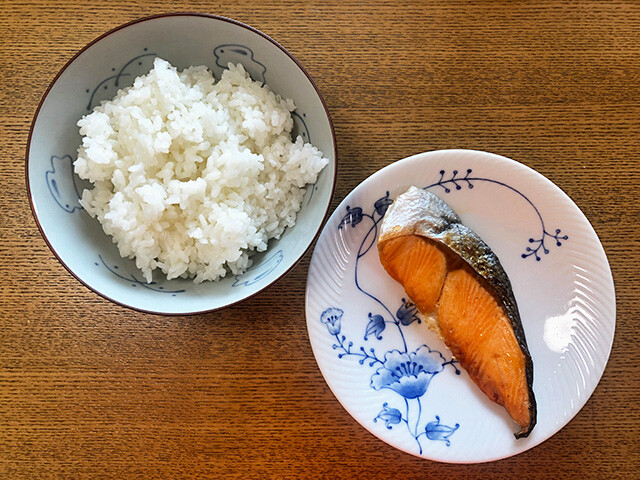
[[191, 175]]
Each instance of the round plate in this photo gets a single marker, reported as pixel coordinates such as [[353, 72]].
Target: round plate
[[365, 334]]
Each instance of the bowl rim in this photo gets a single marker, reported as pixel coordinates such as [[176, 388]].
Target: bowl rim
[[151, 18]]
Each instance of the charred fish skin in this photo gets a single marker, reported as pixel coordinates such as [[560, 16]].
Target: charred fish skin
[[419, 212]]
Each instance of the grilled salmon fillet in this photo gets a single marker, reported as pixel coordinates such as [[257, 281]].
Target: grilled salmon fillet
[[464, 294]]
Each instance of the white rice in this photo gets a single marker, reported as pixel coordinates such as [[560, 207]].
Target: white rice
[[191, 175]]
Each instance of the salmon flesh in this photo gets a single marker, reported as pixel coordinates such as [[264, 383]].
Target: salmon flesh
[[464, 294]]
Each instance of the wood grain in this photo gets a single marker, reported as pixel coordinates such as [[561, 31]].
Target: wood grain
[[91, 390]]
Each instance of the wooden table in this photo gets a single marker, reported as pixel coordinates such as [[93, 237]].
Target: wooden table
[[89, 389]]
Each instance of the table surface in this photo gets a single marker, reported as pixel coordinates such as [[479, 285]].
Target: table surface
[[89, 389]]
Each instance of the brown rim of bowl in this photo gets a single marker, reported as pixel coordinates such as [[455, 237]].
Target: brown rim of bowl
[[153, 17]]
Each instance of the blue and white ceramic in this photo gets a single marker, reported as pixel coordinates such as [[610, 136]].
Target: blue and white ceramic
[[393, 375], [112, 62]]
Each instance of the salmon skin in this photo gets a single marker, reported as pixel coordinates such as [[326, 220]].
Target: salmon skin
[[464, 294]]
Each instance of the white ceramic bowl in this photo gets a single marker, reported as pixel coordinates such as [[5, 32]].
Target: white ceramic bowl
[[112, 62]]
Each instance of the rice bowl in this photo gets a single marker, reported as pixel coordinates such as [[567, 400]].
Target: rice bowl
[[95, 74]]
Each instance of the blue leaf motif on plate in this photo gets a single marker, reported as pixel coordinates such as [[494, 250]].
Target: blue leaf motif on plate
[[353, 217], [538, 243], [438, 431], [331, 318], [390, 416], [382, 204], [408, 374], [407, 313], [375, 326]]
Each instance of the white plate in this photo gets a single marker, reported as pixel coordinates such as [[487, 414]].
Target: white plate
[[360, 329]]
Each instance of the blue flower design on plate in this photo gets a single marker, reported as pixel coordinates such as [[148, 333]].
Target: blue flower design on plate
[[375, 326], [390, 416], [407, 373], [407, 313], [331, 318], [437, 431]]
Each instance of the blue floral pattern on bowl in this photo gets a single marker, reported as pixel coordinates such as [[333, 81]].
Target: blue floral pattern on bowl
[[112, 82], [236, 53], [134, 281], [260, 271], [62, 183]]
